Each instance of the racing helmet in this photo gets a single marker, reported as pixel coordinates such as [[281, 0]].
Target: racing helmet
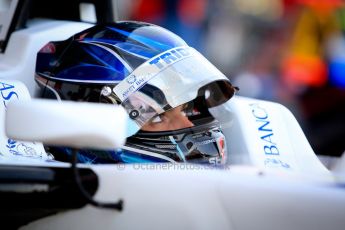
[[149, 71]]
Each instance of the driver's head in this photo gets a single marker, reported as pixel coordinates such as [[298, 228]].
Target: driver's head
[[165, 86]]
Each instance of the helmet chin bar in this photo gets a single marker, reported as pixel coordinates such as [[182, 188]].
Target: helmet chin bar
[[202, 143]]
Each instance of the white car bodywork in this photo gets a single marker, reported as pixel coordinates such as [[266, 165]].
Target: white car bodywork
[[274, 181]]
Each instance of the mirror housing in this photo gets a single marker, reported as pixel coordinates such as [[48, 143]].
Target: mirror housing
[[66, 123]]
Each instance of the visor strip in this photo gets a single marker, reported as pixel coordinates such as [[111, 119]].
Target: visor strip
[[149, 69]]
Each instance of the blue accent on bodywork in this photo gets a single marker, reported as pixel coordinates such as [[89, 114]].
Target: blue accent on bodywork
[[133, 157], [116, 156]]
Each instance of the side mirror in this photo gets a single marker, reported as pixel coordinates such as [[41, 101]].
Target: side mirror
[[72, 124]]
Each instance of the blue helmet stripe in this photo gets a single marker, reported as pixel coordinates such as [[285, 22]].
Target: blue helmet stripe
[[68, 73], [144, 40], [99, 59]]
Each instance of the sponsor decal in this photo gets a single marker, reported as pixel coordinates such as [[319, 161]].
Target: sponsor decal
[[131, 79], [165, 146], [215, 161], [205, 142], [133, 84], [271, 162], [170, 57], [267, 138], [7, 93], [21, 149], [150, 69]]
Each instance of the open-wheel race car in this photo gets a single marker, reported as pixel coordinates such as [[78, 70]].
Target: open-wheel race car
[[271, 178]]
